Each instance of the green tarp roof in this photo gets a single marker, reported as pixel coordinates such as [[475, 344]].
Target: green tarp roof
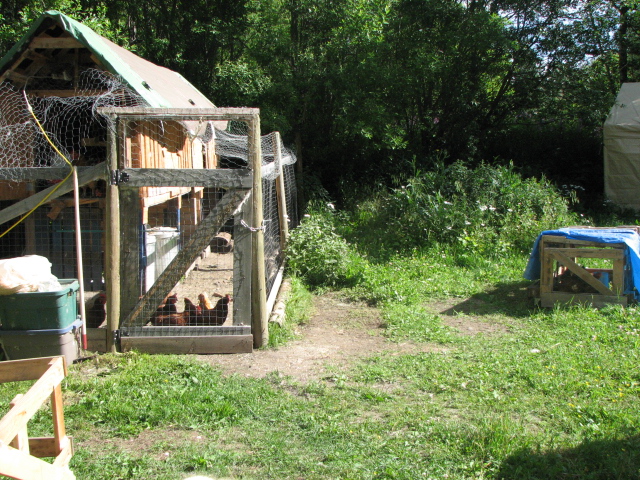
[[159, 86]]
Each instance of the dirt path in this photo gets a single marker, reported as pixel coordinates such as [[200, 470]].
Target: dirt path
[[337, 333]]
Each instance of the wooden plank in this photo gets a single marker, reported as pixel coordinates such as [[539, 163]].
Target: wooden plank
[[188, 177], [588, 252], [20, 208], [580, 272], [259, 319], [588, 243], [189, 345], [548, 300], [57, 412], [16, 464], [130, 254], [41, 173], [112, 241], [43, 447], [202, 237], [546, 269], [66, 452], [618, 276], [97, 340], [24, 370], [242, 266], [13, 75], [21, 440], [65, 93], [281, 195], [13, 422], [53, 43], [183, 114], [271, 301]]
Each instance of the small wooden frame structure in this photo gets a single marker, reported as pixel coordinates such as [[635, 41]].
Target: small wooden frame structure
[[19, 454], [558, 257]]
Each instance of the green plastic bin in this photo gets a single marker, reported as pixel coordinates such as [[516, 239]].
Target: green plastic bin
[[40, 310]]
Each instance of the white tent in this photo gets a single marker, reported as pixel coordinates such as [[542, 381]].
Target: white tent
[[622, 148]]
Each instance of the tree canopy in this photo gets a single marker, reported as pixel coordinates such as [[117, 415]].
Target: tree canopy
[[365, 90]]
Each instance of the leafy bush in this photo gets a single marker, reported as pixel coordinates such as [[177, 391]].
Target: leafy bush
[[485, 210], [319, 255]]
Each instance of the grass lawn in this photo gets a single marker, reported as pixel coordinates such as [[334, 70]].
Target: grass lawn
[[542, 394]]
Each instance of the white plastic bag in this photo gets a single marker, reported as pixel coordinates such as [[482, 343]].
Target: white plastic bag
[[31, 273]]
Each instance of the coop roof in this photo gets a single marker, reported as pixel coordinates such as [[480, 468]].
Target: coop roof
[[55, 40]]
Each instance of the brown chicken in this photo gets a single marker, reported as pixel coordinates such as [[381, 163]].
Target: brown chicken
[[203, 302], [168, 306], [191, 311], [215, 316], [97, 313], [170, 320]]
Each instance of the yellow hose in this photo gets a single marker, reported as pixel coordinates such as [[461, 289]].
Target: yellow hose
[[57, 186]]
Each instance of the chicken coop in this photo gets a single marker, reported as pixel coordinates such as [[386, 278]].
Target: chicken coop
[[162, 174]]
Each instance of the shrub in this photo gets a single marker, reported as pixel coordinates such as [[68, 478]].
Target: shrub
[[319, 255], [485, 210]]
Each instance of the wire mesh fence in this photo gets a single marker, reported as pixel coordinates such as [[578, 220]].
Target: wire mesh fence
[[197, 225]]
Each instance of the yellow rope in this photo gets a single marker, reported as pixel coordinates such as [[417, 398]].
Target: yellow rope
[[57, 186]]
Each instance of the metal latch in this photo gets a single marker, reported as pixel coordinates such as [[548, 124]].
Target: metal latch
[[118, 177]]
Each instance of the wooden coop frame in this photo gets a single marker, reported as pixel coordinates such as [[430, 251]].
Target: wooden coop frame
[[20, 456], [56, 42], [559, 256], [243, 200]]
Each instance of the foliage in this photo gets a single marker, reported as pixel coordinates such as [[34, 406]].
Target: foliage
[[485, 211], [299, 306], [362, 86], [318, 254]]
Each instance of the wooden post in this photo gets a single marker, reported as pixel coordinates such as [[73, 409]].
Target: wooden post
[[281, 194], [130, 220], [59, 431], [259, 320], [112, 243]]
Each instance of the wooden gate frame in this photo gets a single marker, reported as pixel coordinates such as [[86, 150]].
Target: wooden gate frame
[[241, 186], [19, 454]]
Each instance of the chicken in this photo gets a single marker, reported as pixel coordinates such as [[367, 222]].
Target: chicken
[[203, 302], [191, 311], [165, 309], [97, 313], [170, 320], [215, 316], [168, 306]]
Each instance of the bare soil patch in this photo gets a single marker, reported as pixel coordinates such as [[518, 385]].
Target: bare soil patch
[[338, 333]]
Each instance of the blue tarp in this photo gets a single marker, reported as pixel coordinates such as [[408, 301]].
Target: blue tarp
[[606, 235]]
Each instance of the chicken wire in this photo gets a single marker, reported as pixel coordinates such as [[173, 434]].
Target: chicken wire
[[36, 132], [177, 212], [71, 123], [73, 127]]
